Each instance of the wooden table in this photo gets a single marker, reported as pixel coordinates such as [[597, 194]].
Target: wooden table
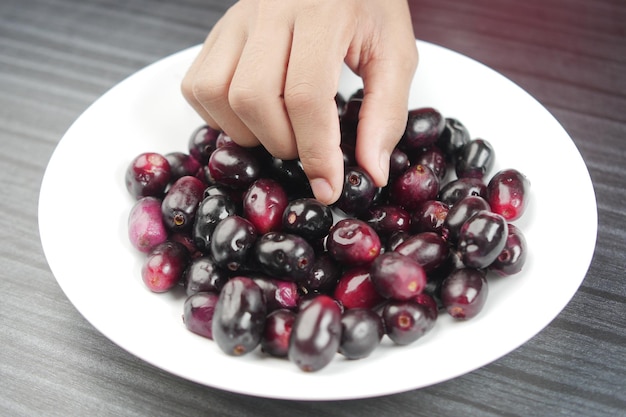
[[58, 56]]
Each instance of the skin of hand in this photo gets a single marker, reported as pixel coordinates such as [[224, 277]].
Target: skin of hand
[[269, 71]]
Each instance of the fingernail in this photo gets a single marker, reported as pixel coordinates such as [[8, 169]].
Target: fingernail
[[322, 190]]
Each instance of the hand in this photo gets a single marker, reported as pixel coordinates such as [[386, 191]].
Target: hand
[[269, 71]]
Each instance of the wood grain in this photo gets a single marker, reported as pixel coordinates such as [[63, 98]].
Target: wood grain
[[58, 56]]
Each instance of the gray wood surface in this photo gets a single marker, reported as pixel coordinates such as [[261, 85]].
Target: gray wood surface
[[58, 56]]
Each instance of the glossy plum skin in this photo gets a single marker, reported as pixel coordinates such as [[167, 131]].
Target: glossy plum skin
[[316, 334], [202, 143], [416, 185], [387, 219], [508, 193], [355, 289], [513, 257], [482, 238], [435, 159], [182, 164], [204, 275], [264, 203], [211, 210], [397, 276], [456, 190], [429, 249], [429, 217], [460, 213], [424, 125], [164, 266], [284, 255], [323, 276], [239, 317], [278, 293], [406, 321], [353, 242], [198, 311], [233, 240], [475, 160], [234, 166], [361, 332], [464, 293], [145, 224], [308, 218], [453, 137], [275, 339], [358, 191], [180, 205], [148, 174]]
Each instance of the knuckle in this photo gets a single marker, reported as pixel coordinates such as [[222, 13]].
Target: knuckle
[[303, 96], [207, 90]]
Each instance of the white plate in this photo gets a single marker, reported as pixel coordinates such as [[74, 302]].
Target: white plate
[[84, 206]]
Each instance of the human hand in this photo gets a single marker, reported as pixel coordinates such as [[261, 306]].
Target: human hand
[[269, 71]]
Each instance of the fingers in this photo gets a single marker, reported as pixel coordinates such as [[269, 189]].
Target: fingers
[[256, 91], [317, 53], [387, 74], [208, 81]]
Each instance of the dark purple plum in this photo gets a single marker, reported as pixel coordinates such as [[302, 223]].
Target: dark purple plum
[[180, 204], [429, 249], [464, 293], [507, 193], [353, 242], [416, 185], [454, 136], [396, 239], [397, 277], [198, 311], [361, 332], [316, 334], [432, 308], [398, 163], [482, 238], [387, 219], [355, 289], [264, 203], [457, 189], [145, 224], [234, 166], [202, 143], [203, 275], [475, 160], [278, 293], [239, 317], [323, 276], [290, 174], [434, 158], [275, 339], [307, 217], [212, 210], [513, 257], [164, 266], [358, 191], [460, 213], [406, 321], [284, 255], [232, 242], [424, 126], [182, 165], [148, 175], [430, 216]]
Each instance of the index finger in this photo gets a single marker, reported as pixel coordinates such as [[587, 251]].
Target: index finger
[[317, 54]]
